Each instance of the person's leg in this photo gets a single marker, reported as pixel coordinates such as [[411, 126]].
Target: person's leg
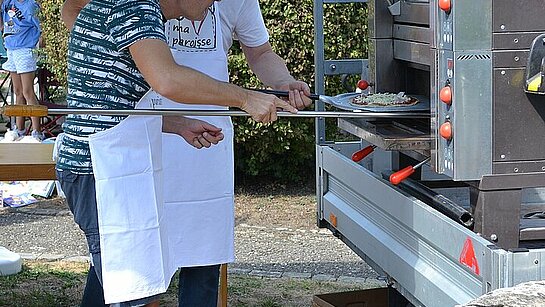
[[27, 82], [19, 98], [198, 286], [93, 295], [81, 197]]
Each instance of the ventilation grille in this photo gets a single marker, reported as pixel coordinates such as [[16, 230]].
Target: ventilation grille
[[466, 57]]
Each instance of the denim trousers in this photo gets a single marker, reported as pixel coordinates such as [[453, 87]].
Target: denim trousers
[[198, 286]]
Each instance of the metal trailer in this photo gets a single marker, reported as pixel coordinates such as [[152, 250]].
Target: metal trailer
[[477, 62]]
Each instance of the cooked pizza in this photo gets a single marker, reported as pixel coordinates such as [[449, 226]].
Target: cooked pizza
[[384, 100]]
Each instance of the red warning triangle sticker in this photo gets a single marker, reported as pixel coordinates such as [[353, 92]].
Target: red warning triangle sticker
[[468, 258]]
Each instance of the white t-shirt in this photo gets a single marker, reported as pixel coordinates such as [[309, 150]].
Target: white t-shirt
[[242, 20]]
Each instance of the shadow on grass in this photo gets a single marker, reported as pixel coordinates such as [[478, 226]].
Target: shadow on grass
[[261, 186]]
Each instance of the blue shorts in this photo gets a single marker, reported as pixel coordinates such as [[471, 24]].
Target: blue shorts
[[21, 60], [80, 195]]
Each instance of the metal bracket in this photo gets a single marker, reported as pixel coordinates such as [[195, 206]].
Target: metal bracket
[[351, 67], [395, 8]]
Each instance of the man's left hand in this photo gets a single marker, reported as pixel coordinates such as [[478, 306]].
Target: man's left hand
[[298, 94], [195, 132]]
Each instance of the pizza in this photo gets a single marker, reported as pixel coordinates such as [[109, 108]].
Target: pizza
[[384, 100]]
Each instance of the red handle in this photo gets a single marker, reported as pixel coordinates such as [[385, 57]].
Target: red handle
[[401, 175], [362, 153]]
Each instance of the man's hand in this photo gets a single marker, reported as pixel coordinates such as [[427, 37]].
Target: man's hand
[[298, 94], [195, 132], [262, 107]]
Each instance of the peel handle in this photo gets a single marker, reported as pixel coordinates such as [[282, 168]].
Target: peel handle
[[402, 174], [25, 110], [362, 153], [285, 94]]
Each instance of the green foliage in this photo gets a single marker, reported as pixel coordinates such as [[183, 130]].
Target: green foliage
[[285, 149], [55, 38]]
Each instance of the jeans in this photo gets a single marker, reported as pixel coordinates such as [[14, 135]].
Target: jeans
[[198, 286], [81, 197]]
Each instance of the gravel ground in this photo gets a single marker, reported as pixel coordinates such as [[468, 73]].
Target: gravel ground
[[46, 230]]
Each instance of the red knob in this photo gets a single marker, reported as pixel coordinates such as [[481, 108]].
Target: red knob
[[446, 95], [445, 5], [401, 175], [446, 130], [363, 85], [360, 154]]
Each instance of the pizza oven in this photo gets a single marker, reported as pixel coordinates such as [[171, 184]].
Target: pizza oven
[[477, 66], [472, 218]]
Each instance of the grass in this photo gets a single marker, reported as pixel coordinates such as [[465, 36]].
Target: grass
[[44, 284], [60, 283]]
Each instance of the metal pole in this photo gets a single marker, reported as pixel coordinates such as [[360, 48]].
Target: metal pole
[[308, 114]]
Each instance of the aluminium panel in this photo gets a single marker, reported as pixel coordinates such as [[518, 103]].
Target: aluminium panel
[[406, 239], [444, 113], [402, 235], [472, 108], [435, 86], [524, 266], [441, 27], [472, 25]]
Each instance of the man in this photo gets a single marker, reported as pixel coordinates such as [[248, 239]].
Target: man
[[117, 51], [203, 45]]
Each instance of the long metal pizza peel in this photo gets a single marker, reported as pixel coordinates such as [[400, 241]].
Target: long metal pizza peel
[[39, 110]]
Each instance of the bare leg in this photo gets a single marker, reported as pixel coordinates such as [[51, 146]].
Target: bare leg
[[27, 81], [19, 97]]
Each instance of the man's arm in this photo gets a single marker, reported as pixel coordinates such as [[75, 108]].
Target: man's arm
[[70, 10], [271, 69], [178, 83], [195, 132]]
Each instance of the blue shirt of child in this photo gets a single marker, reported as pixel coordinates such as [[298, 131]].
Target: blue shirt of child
[[21, 24]]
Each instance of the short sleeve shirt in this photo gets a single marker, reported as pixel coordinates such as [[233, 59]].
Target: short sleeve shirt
[[242, 20], [101, 72], [21, 25]]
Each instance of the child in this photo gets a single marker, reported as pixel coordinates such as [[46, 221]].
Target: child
[[21, 33]]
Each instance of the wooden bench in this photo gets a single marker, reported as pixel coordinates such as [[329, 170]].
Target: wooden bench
[[26, 161]]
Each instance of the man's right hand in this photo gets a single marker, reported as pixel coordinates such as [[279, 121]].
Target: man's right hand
[[262, 107]]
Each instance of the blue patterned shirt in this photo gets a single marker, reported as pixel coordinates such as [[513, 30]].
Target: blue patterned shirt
[[101, 72]]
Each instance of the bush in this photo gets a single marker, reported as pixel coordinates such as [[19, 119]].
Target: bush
[[55, 38], [285, 149]]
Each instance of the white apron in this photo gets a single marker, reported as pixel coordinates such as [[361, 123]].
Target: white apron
[[189, 192]]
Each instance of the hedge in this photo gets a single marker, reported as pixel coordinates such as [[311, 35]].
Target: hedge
[[285, 149], [55, 38]]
